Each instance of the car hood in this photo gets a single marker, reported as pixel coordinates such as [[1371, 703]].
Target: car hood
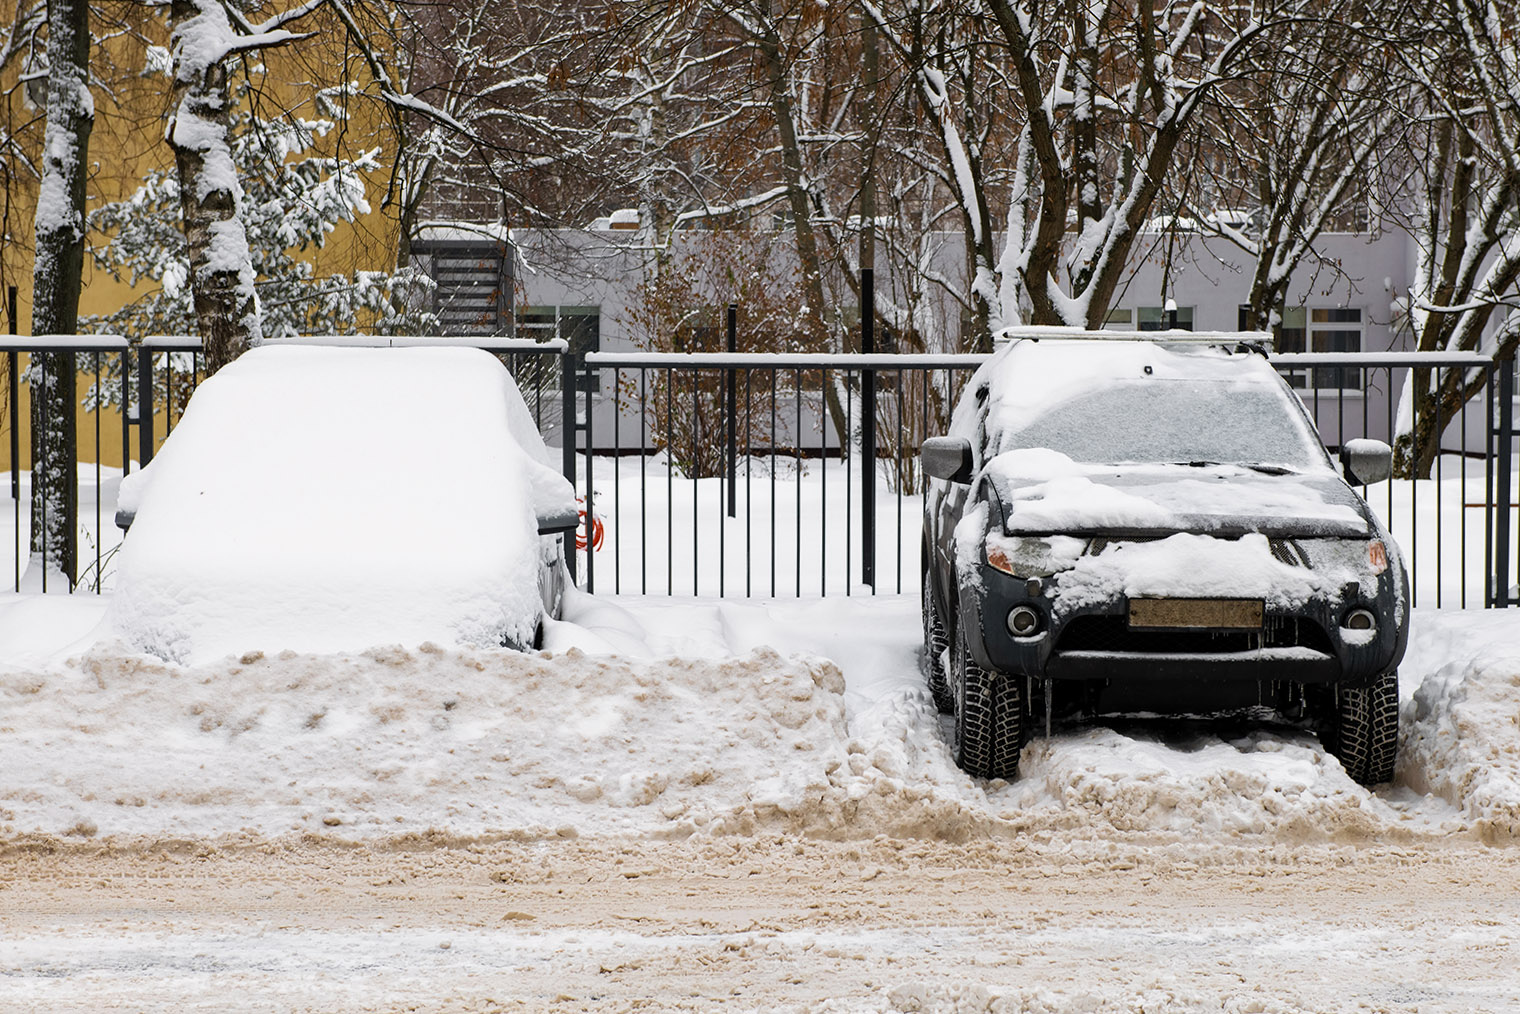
[[1043, 492]]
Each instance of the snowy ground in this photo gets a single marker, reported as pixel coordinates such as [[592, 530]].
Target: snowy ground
[[739, 804], [747, 805]]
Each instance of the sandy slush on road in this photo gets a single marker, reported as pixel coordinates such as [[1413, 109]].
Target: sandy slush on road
[[775, 923]]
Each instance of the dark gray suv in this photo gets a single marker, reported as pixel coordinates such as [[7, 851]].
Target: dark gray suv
[[1122, 526]]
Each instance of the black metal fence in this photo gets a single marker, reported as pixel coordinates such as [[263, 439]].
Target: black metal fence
[[792, 475], [731, 474]]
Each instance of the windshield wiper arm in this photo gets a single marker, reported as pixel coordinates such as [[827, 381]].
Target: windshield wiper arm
[[1255, 466]]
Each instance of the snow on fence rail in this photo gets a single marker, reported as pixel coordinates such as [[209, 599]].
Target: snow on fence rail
[[746, 473]]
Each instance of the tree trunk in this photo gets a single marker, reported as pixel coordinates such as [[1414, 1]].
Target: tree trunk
[[221, 267], [800, 202], [56, 281]]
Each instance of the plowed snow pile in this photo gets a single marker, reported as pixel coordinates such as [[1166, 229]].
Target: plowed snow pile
[[662, 720], [1460, 735], [392, 741]]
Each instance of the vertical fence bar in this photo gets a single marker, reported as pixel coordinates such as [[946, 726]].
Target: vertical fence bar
[[732, 460], [567, 449], [144, 406], [749, 496], [1488, 488], [1505, 447], [590, 487], [13, 362], [98, 538], [868, 431], [643, 483], [126, 415], [670, 473], [13, 375], [1439, 493], [823, 486], [617, 471], [41, 467]]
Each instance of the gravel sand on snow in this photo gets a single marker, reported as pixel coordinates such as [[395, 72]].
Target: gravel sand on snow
[[782, 924]]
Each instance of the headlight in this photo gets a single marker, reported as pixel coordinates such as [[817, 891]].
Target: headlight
[[1029, 556], [1343, 561]]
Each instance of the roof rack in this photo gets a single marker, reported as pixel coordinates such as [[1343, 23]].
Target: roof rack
[[1255, 339]]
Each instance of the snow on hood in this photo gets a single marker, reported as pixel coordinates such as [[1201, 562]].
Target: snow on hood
[[323, 499], [1043, 491]]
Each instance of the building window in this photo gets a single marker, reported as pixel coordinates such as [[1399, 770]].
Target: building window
[[1154, 318], [1120, 320], [1322, 329]]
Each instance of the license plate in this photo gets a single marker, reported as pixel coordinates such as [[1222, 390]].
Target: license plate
[[1214, 614]]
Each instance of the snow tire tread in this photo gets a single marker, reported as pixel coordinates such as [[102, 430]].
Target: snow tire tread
[[1367, 729], [989, 721], [936, 640]]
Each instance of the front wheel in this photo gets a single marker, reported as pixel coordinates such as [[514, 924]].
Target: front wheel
[[989, 718], [1365, 735]]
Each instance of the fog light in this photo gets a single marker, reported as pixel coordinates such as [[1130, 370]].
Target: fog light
[[1023, 621], [1360, 619]]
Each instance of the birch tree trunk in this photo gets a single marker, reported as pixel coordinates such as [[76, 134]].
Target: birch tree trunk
[[221, 267], [56, 281]]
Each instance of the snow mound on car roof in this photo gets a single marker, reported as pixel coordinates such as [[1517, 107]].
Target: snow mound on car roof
[[324, 499], [1025, 379]]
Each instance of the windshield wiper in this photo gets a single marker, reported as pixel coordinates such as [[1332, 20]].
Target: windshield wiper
[[1255, 466]]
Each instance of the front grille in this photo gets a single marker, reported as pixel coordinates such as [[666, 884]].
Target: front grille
[[1112, 633]]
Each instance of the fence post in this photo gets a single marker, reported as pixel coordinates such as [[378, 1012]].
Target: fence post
[[15, 409], [867, 432], [144, 406], [731, 462], [1502, 452], [590, 488], [567, 451]]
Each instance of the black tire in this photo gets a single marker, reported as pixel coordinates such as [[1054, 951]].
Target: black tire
[[989, 718], [935, 643], [1366, 729]]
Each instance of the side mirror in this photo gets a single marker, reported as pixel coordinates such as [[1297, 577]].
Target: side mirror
[[124, 518], [559, 521], [1365, 462], [948, 458]]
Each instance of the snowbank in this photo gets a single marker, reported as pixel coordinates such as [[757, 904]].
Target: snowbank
[[333, 499], [658, 719], [1460, 733], [392, 742]]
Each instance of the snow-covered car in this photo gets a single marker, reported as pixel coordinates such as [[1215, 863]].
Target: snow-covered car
[[335, 499], [1125, 526]]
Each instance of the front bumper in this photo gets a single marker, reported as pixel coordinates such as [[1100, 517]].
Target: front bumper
[[1301, 644]]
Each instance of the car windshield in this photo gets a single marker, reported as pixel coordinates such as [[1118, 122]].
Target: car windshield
[[1184, 420]]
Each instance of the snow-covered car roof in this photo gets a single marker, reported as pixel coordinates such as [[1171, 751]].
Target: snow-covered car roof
[[1026, 379], [324, 499]]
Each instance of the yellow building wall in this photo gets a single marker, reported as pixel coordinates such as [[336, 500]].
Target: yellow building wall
[[125, 144]]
